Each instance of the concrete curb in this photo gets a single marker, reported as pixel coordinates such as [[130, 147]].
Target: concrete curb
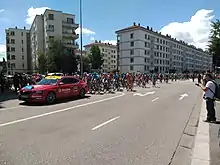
[[201, 154]]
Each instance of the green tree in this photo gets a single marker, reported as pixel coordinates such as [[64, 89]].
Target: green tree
[[60, 58], [42, 63], [86, 63], [96, 57], [214, 42]]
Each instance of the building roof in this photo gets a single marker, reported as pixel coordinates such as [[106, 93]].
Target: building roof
[[101, 44]]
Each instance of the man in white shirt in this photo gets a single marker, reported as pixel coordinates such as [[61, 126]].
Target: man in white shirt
[[209, 89]]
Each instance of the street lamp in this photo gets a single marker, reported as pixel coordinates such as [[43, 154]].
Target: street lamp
[[81, 39]]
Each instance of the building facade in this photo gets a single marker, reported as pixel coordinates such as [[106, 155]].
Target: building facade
[[52, 25], [109, 52], [141, 49], [18, 50]]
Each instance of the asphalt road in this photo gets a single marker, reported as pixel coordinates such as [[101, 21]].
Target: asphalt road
[[113, 129]]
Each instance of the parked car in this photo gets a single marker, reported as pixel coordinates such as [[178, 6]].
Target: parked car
[[52, 88]]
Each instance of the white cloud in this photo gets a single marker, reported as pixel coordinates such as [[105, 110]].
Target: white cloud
[[92, 38], [2, 10], [85, 31], [113, 42], [32, 12], [2, 50], [195, 31]]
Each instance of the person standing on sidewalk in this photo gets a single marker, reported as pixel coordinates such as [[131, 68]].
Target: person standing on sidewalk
[[209, 88]]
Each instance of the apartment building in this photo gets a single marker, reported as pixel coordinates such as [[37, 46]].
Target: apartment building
[[144, 50], [18, 50], [109, 52], [52, 25]]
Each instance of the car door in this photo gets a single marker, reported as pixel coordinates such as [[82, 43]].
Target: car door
[[65, 89], [75, 87]]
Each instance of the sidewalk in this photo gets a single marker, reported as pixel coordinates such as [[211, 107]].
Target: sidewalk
[[206, 148]]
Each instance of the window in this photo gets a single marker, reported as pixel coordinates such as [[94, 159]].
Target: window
[[9, 65], [132, 51], [145, 67], [8, 41], [131, 67], [157, 39], [70, 20], [13, 57], [13, 65], [131, 60], [23, 65], [132, 35], [51, 28], [12, 49], [12, 41], [145, 44], [12, 33], [132, 43], [145, 36], [8, 57], [8, 49], [51, 37], [67, 80], [22, 34], [145, 52], [22, 49], [145, 60], [50, 16], [22, 57]]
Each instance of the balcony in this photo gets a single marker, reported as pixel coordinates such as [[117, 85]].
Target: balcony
[[70, 35], [70, 24], [71, 45]]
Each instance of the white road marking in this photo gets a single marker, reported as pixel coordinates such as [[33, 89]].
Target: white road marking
[[5, 109], [155, 99], [148, 93], [109, 121], [58, 111], [182, 96]]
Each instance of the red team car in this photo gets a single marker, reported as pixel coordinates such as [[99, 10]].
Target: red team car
[[52, 88]]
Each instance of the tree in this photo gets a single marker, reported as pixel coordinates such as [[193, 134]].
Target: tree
[[95, 57], [42, 63], [86, 63], [214, 42], [60, 58]]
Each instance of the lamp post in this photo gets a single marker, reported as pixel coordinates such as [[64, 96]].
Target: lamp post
[[81, 39]]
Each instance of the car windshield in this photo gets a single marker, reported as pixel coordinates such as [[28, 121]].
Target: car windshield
[[46, 81]]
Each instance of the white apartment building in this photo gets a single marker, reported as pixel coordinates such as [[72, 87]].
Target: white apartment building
[[141, 49], [109, 52], [18, 50], [52, 25]]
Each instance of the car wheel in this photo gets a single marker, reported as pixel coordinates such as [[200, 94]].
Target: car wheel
[[51, 98], [82, 93]]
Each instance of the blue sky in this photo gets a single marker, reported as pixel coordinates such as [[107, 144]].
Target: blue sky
[[105, 17]]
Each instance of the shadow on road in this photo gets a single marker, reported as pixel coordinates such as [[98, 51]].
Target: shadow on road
[[7, 95], [58, 102]]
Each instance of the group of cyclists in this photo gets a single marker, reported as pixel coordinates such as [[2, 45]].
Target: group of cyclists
[[110, 82], [106, 82]]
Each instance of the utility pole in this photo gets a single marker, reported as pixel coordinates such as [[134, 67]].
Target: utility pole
[[81, 40]]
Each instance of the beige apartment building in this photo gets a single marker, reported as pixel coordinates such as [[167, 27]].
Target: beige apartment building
[[109, 52], [141, 49], [52, 25], [18, 50]]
